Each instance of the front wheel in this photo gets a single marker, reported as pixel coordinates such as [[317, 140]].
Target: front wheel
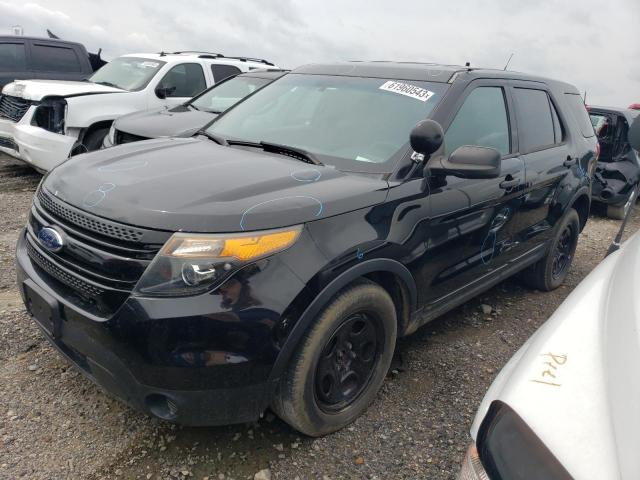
[[549, 272], [341, 362]]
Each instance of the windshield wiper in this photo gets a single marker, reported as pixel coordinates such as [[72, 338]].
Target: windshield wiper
[[108, 84], [292, 152], [216, 138]]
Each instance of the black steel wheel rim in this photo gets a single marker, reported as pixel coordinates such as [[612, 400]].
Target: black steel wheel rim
[[347, 362], [563, 252]]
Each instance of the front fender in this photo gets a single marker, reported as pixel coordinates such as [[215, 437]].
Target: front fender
[[85, 110], [359, 270]]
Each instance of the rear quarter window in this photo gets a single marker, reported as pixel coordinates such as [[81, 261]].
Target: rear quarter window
[[221, 71], [579, 112]]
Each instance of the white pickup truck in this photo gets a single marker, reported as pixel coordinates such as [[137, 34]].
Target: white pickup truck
[[44, 122]]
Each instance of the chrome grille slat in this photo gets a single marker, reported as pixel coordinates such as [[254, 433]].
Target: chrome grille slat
[[13, 108]]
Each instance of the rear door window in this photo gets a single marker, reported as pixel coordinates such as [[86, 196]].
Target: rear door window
[[535, 120], [12, 57], [579, 112], [54, 58], [184, 80], [481, 121], [220, 72]]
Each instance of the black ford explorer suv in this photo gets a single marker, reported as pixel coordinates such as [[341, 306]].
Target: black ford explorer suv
[[273, 259]]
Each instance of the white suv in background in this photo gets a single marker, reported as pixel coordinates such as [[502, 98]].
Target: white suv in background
[[44, 122]]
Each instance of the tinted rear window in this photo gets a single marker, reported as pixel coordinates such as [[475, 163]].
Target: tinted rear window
[[12, 57], [49, 58], [535, 121], [579, 112]]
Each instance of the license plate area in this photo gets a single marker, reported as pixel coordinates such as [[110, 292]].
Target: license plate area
[[43, 308]]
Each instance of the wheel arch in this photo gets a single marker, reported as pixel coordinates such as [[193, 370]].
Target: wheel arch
[[581, 203], [85, 132], [391, 275]]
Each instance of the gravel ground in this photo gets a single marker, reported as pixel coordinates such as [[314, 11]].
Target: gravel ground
[[55, 424]]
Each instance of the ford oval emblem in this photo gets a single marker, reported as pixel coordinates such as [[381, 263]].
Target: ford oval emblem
[[51, 239]]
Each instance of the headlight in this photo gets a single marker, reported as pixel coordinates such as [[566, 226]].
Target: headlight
[[50, 114], [190, 263], [508, 448]]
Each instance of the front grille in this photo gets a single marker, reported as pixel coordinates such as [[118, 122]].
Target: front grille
[[108, 229], [8, 143], [13, 108], [124, 137], [62, 276], [101, 261]]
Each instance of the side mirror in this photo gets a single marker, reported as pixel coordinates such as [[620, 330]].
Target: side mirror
[[469, 162], [634, 134], [426, 137], [164, 92]]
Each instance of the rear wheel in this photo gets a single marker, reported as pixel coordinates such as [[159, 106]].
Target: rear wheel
[[341, 362], [549, 272], [620, 211]]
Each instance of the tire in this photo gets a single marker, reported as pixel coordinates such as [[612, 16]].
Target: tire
[[310, 396], [619, 211], [548, 274], [93, 141]]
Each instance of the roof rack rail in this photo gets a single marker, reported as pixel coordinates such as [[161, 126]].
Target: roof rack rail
[[201, 53], [219, 55], [250, 59]]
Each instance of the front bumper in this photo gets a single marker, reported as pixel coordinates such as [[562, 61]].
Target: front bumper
[[35, 146], [207, 367]]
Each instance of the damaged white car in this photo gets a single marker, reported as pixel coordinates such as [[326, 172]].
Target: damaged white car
[[44, 122], [567, 404]]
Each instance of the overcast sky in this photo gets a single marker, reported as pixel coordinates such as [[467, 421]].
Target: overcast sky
[[594, 44]]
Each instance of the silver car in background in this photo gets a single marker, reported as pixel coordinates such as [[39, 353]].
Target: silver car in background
[[567, 404]]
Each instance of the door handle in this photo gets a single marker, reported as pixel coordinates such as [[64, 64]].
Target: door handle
[[569, 162], [510, 182]]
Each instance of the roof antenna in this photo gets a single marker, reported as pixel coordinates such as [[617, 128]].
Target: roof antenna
[[508, 62], [468, 64]]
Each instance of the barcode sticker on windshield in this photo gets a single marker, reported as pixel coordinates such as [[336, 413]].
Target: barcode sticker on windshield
[[150, 64], [408, 90]]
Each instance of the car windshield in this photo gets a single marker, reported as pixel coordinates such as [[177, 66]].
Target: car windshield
[[228, 93], [127, 73], [352, 123]]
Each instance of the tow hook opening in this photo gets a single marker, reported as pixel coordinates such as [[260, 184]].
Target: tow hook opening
[[162, 406]]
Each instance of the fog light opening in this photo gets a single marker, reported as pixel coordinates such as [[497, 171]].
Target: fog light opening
[[162, 406]]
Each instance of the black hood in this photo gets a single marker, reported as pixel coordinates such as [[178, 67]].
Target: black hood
[[196, 185], [180, 121]]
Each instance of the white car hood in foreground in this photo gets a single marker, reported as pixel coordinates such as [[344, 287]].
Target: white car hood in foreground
[[38, 89], [576, 382]]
